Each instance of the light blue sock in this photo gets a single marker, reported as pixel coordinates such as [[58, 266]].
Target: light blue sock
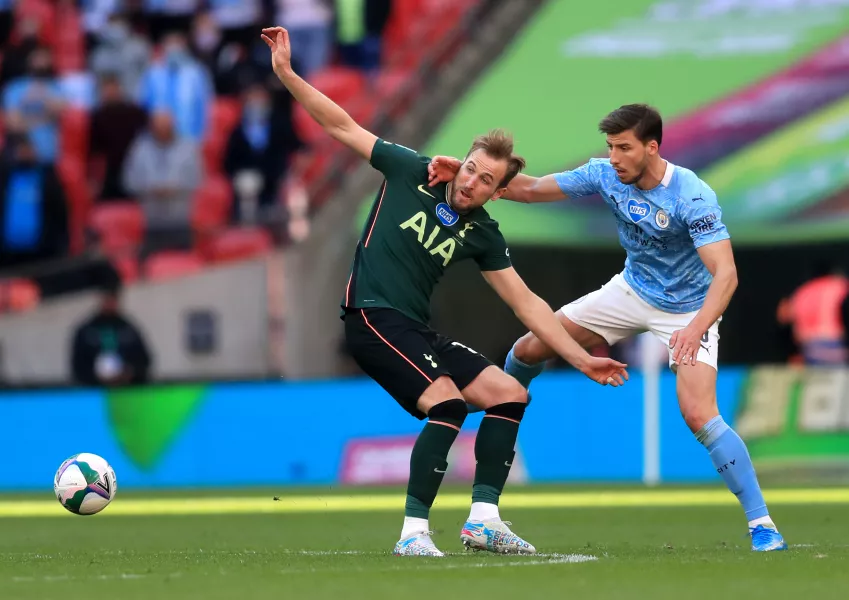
[[523, 373], [731, 459]]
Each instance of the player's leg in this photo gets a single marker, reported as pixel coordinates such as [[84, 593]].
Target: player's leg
[[490, 389], [393, 351], [696, 388], [606, 315]]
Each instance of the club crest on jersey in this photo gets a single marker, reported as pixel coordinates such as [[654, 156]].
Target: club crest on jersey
[[446, 214], [662, 219], [638, 210]]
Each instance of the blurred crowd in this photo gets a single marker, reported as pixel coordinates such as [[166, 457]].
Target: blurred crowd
[[139, 113]]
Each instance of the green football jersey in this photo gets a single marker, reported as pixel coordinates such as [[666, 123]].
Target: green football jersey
[[412, 235]]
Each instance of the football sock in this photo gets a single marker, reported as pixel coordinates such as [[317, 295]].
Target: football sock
[[494, 450], [732, 462], [428, 460], [523, 373], [414, 525], [484, 511]]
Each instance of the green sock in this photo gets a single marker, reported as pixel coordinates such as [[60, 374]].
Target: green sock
[[494, 454], [428, 460]]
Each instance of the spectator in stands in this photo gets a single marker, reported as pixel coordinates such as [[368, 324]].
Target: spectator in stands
[[169, 16], [359, 30], [814, 311], [238, 20], [34, 104], [108, 349], [310, 26], [115, 124], [206, 39], [179, 84], [235, 69], [258, 153], [95, 17], [16, 56], [163, 170], [124, 51], [33, 211], [7, 20]]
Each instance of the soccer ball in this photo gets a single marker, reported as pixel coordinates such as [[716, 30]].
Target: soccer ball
[[85, 484]]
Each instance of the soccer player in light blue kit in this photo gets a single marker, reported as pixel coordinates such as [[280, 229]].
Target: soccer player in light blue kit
[[678, 280]]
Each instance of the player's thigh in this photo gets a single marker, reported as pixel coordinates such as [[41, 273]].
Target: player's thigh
[[663, 325], [696, 389], [482, 384], [606, 315], [395, 352]]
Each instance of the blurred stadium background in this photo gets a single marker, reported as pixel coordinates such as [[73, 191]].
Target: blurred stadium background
[[175, 235]]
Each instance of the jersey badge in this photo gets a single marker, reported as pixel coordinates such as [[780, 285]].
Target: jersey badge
[[446, 214], [638, 210]]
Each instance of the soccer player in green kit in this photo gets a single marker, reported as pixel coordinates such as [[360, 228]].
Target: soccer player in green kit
[[413, 233]]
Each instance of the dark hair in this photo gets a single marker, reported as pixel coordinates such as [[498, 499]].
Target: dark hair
[[499, 145], [643, 119]]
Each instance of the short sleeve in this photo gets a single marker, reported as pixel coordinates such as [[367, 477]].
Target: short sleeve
[[394, 159], [496, 256], [583, 181], [703, 218]]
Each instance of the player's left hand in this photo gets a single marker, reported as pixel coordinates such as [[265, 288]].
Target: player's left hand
[[605, 371], [685, 344], [442, 169]]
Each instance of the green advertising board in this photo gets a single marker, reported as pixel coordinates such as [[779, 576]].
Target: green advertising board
[[797, 420]]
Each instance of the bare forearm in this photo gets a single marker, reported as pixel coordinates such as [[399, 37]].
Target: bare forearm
[[718, 297], [519, 189], [325, 111], [536, 315]]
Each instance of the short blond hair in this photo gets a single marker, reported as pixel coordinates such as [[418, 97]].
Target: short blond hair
[[498, 144]]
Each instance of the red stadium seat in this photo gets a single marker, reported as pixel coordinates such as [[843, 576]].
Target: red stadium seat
[[73, 131], [127, 267], [224, 116], [172, 265], [340, 84], [19, 295], [71, 171], [120, 226], [238, 244], [212, 204]]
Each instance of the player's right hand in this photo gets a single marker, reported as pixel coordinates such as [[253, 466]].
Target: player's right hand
[[605, 371], [277, 38], [442, 169]]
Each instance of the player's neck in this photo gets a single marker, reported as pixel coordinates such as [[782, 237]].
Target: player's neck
[[653, 175]]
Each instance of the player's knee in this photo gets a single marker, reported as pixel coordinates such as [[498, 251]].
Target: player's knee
[[514, 411], [451, 412], [696, 414], [527, 349], [511, 391]]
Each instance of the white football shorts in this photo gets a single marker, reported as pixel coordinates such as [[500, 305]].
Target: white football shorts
[[616, 312]]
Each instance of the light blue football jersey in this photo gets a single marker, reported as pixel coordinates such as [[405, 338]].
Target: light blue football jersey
[[659, 229]]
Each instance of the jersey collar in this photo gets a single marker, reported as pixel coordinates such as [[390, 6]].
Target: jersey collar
[[667, 176]]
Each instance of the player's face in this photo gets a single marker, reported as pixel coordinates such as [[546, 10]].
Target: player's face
[[629, 156], [477, 181]]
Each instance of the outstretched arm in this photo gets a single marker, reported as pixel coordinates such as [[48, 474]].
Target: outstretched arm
[[523, 188], [537, 316], [326, 113]]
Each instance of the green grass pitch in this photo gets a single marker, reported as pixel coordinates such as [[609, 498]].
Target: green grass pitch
[[595, 543]]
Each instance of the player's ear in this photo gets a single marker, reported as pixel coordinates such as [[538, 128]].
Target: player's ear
[[653, 147], [498, 194]]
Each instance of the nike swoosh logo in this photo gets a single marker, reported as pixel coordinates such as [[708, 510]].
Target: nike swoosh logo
[[424, 191], [507, 464], [438, 471]]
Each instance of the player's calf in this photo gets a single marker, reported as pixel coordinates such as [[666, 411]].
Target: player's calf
[[494, 452], [428, 465], [728, 452]]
